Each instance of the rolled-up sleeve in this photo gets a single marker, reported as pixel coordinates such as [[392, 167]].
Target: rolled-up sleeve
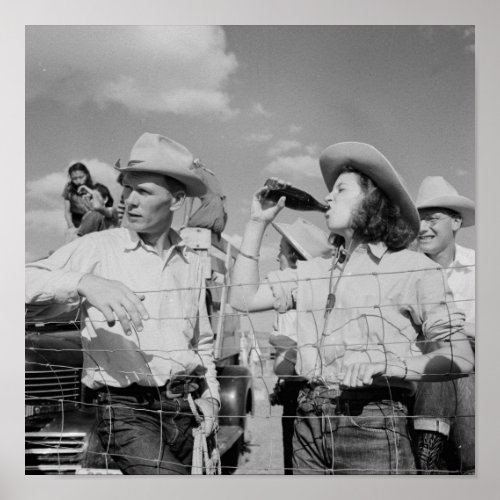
[[283, 285], [435, 308], [52, 282]]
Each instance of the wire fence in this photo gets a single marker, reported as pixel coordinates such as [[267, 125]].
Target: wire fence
[[62, 413]]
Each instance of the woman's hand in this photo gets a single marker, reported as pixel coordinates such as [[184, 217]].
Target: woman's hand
[[362, 374], [263, 209]]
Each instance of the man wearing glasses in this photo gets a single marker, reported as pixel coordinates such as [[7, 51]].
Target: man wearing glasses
[[444, 411]]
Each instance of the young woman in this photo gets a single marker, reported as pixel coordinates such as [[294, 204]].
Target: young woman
[[358, 318], [75, 204], [101, 215]]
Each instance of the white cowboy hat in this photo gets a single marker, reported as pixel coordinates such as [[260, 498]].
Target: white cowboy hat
[[372, 163], [436, 192], [307, 239], [160, 155]]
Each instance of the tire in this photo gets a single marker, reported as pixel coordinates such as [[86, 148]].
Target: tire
[[230, 459]]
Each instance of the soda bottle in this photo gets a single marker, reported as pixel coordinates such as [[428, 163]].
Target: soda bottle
[[296, 199]]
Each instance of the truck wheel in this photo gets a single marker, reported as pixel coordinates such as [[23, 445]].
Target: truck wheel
[[230, 459]]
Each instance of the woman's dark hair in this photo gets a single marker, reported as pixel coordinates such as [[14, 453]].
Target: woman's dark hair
[[70, 187], [377, 219], [104, 191]]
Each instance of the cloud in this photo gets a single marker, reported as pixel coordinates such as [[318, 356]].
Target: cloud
[[182, 70], [294, 129], [283, 146], [258, 137], [47, 221], [257, 109], [461, 172], [295, 167]]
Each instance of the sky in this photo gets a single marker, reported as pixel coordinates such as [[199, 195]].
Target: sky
[[251, 102]]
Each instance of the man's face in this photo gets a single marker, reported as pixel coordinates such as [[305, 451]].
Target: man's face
[[149, 203], [437, 230]]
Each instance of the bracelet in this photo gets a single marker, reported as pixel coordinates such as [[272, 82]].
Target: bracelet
[[248, 256], [406, 367]]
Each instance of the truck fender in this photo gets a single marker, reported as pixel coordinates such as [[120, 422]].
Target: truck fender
[[236, 394]]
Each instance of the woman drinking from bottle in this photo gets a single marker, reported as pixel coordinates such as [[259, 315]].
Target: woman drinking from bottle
[[359, 315]]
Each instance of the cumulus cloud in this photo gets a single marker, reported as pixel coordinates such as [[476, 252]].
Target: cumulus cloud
[[165, 69], [257, 109], [283, 146], [294, 129], [294, 168], [259, 137]]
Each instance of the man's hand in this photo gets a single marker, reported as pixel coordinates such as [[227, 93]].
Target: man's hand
[[209, 407], [115, 301]]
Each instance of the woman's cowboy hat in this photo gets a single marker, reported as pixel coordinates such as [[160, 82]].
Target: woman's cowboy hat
[[436, 192], [157, 154], [372, 163], [307, 239]]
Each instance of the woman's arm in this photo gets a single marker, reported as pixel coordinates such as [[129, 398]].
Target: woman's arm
[[247, 293]]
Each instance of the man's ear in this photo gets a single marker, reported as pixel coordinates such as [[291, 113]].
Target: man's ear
[[179, 199], [456, 223]]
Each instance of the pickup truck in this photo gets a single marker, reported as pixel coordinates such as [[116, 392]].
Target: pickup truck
[[60, 413]]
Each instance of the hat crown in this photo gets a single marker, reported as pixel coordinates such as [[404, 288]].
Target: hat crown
[[158, 148], [434, 187]]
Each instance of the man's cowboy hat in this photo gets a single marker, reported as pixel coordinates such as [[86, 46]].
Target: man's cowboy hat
[[436, 192], [307, 239], [157, 154], [372, 163]]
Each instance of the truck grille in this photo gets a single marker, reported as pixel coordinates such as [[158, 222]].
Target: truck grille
[[52, 386], [54, 452]]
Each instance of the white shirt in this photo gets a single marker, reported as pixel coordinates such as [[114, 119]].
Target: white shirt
[[176, 337], [462, 281]]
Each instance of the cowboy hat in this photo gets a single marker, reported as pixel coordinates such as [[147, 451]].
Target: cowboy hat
[[307, 239], [436, 192], [372, 163], [157, 154]]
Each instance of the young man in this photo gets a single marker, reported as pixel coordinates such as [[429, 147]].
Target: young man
[[143, 315], [446, 409]]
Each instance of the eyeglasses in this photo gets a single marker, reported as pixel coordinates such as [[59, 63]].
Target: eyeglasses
[[432, 220]]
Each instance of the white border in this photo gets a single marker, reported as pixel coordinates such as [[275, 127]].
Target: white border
[[15, 14]]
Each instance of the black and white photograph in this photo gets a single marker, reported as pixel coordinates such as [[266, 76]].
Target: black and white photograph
[[250, 251]]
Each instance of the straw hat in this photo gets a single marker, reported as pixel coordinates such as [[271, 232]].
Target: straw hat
[[372, 163], [157, 154], [436, 192], [307, 239]]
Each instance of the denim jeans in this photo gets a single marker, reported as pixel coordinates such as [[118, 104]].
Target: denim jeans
[[147, 434], [449, 408], [351, 437]]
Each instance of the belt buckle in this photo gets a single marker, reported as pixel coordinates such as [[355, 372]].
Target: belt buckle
[[178, 387]]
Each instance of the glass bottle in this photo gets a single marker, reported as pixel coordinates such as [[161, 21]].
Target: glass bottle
[[296, 199]]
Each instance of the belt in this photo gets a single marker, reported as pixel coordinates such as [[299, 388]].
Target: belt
[[174, 388], [367, 395]]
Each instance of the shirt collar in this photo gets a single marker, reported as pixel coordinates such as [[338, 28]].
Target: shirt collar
[[463, 257], [134, 241]]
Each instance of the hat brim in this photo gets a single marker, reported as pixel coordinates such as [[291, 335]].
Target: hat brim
[[287, 232], [372, 163], [460, 204], [194, 185]]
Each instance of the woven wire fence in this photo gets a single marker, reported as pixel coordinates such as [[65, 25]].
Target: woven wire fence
[[61, 412]]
